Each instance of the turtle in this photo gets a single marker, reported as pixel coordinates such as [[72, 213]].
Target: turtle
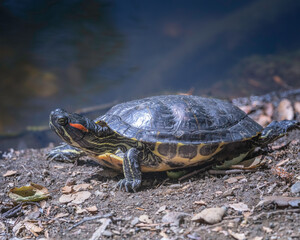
[[162, 133]]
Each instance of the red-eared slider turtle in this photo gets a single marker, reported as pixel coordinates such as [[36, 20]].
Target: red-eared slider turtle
[[162, 133]]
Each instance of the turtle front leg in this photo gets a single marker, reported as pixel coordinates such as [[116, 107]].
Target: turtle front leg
[[132, 171], [65, 153]]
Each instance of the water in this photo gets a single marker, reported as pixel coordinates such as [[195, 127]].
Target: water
[[75, 54]]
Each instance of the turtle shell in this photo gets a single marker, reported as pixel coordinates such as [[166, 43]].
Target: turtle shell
[[181, 119]]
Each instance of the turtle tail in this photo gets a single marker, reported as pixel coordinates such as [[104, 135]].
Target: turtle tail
[[277, 129]]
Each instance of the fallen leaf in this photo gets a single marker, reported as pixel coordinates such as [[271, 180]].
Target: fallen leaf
[[33, 192], [210, 215], [79, 210], [34, 229], [83, 186], [217, 229], [76, 198], [66, 198], [238, 236], [18, 227], [67, 189], [9, 173], [281, 201], [92, 209], [80, 197], [233, 179], [241, 207]]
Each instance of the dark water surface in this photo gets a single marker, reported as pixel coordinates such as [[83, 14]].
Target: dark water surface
[[74, 53]]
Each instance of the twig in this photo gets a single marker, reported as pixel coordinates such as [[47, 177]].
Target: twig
[[274, 212], [12, 212], [231, 171], [90, 219], [194, 173]]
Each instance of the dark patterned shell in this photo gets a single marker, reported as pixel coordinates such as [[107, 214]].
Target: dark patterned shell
[[180, 118]]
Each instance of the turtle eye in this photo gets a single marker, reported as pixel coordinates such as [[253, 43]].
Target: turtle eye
[[62, 121]]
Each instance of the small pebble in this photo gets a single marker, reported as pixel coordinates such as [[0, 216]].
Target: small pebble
[[296, 187], [134, 221]]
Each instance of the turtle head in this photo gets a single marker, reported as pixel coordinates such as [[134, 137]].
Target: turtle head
[[75, 129], [278, 129]]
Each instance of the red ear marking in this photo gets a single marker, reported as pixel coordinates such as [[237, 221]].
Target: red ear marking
[[79, 126]]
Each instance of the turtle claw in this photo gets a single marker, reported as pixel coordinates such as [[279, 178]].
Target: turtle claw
[[128, 184], [64, 153]]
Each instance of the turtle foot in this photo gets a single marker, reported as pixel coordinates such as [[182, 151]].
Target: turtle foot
[[64, 153], [129, 184]]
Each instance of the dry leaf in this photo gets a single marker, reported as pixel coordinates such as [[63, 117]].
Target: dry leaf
[[66, 189], [34, 192], [210, 215], [17, 228], [9, 173], [238, 236], [217, 229], [79, 210], [241, 207], [80, 197], [83, 186], [233, 179], [66, 198], [92, 209], [34, 229]]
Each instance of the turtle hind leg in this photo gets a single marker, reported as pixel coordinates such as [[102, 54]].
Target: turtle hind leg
[[65, 153], [278, 129], [132, 171]]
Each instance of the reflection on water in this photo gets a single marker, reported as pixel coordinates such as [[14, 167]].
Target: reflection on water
[[74, 54]]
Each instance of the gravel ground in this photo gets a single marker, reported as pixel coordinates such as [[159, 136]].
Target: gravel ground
[[163, 208]]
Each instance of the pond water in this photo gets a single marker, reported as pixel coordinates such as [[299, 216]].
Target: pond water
[[76, 54]]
